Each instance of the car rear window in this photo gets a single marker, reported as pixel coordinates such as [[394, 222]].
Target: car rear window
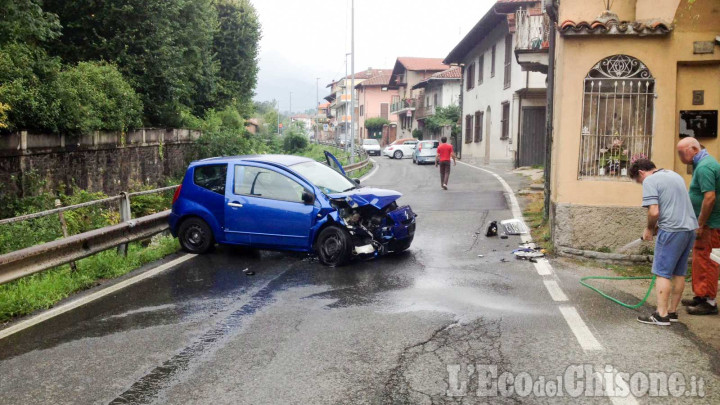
[[211, 177]]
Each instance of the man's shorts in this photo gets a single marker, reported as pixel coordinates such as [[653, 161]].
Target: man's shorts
[[672, 250]]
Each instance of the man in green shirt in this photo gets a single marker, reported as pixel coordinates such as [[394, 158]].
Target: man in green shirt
[[704, 186]]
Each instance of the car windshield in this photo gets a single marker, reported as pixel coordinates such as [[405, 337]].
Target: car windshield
[[326, 179], [370, 142], [428, 145]]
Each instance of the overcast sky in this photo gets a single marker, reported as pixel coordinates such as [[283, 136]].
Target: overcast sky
[[305, 39]]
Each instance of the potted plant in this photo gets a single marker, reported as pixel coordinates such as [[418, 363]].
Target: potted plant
[[613, 159]]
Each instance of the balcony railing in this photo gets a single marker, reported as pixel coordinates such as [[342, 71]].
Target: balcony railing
[[403, 105], [531, 31]]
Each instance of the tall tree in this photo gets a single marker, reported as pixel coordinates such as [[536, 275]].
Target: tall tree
[[236, 45], [163, 47], [25, 21]]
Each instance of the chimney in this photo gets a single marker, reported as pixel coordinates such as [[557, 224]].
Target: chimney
[[369, 71]]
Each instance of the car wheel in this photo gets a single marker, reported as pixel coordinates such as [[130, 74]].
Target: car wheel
[[398, 154], [195, 236], [333, 246]]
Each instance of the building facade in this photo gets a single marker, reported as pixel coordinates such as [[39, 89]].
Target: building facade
[[374, 99], [440, 90], [503, 102], [629, 82], [407, 72]]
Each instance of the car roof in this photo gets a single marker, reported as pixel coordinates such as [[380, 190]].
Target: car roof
[[278, 160], [405, 139]]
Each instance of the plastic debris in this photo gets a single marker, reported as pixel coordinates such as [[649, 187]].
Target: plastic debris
[[526, 253], [514, 227]]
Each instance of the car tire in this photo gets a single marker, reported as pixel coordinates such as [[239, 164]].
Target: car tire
[[398, 154], [195, 236], [334, 246]]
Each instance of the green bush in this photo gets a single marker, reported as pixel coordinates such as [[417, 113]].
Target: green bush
[[294, 143], [376, 124], [417, 133], [93, 96]]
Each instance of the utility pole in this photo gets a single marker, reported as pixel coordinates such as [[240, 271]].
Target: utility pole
[[345, 86], [352, 85], [291, 107], [317, 109], [278, 114]]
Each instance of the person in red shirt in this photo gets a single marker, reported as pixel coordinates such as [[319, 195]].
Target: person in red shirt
[[444, 154]]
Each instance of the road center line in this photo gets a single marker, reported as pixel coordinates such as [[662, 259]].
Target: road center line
[[92, 297], [581, 331]]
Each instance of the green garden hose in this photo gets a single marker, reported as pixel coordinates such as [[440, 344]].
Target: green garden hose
[[615, 300]]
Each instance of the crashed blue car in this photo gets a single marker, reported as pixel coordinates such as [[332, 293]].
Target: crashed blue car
[[283, 202]]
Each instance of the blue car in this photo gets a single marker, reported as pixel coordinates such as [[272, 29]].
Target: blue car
[[283, 202]]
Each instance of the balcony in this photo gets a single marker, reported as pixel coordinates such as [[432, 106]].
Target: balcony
[[532, 41], [408, 104], [424, 111], [343, 98]]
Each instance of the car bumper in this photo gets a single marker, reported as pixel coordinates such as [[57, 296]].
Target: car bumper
[[373, 152], [425, 159], [404, 222], [173, 223]]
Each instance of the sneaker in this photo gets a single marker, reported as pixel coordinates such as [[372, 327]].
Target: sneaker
[[692, 302], [673, 316], [654, 319], [704, 308], [444, 186]]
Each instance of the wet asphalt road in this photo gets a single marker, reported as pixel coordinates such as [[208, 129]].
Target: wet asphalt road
[[382, 331]]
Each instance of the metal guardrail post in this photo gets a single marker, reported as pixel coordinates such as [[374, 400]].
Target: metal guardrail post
[[63, 226], [125, 216]]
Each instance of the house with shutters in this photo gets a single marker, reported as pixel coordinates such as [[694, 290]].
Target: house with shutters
[[503, 101], [407, 72], [374, 97], [440, 90]]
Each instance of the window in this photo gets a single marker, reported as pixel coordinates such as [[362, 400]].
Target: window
[[384, 111], [481, 68], [470, 76], [617, 120], [492, 62], [362, 110], [211, 177], [258, 182], [508, 60], [435, 99], [468, 128], [478, 126], [505, 120]]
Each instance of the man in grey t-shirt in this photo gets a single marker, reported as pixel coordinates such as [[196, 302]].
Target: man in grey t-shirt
[[671, 216]]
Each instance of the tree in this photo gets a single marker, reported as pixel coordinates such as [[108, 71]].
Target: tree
[[25, 21], [93, 96], [163, 47], [236, 45], [444, 116], [3, 115], [375, 125]]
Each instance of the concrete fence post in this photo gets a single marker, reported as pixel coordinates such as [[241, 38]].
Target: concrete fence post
[[125, 215], [63, 225], [23, 140]]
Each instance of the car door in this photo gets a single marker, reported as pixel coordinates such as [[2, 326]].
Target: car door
[[265, 206], [334, 163]]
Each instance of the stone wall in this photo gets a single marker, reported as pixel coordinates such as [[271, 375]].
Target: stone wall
[[598, 227], [102, 161]]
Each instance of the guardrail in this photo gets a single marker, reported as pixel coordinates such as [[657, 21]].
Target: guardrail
[[33, 259]]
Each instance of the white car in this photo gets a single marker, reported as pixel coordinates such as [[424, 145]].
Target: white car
[[402, 148], [371, 147]]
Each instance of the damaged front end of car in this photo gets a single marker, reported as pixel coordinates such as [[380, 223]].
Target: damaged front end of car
[[375, 222]]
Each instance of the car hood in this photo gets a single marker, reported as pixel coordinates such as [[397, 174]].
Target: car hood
[[375, 197]]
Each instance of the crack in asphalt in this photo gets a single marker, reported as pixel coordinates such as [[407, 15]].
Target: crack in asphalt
[[421, 375]]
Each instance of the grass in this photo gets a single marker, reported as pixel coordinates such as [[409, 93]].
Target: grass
[[539, 228], [43, 290]]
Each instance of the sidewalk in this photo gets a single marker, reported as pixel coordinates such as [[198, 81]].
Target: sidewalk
[[524, 182]]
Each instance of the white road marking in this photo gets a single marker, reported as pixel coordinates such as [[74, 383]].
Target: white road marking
[[555, 291], [372, 172], [577, 326], [543, 267], [91, 297], [581, 331]]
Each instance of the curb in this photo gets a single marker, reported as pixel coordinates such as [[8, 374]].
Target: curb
[[607, 257]]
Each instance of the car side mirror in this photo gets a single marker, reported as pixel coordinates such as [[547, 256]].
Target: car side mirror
[[308, 197], [357, 181]]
